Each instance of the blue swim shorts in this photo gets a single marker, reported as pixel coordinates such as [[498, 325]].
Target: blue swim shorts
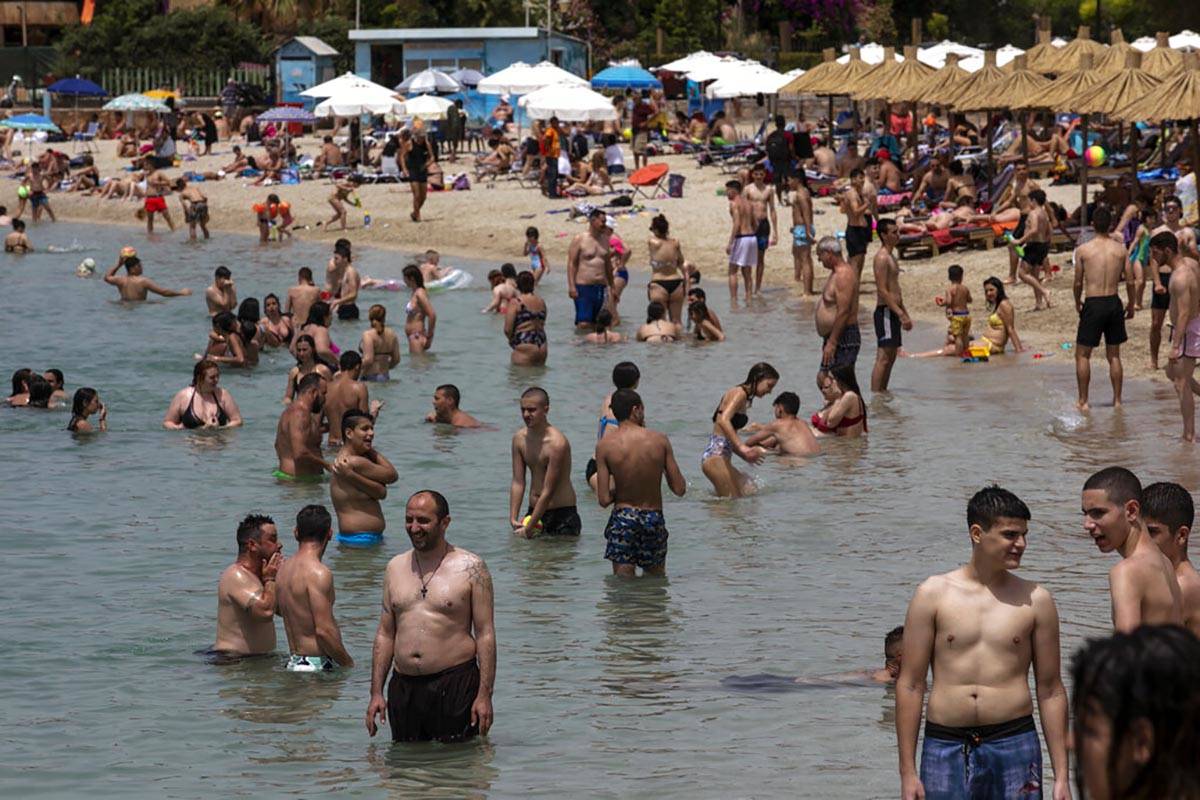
[[802, 236], [988, 762], [363, 539], [589, 302], [636, 536]]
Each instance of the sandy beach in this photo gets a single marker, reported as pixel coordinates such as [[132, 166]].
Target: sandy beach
[[488, 223]]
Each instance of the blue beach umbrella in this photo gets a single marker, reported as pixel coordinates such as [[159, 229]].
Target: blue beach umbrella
[[136, 102], [30, 122], [625, 76], [77, 87], [288, 114]]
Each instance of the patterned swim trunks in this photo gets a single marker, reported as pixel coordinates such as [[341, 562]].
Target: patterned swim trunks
[[636, 536]]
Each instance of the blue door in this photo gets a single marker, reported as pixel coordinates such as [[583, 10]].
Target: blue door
[[296, 75]]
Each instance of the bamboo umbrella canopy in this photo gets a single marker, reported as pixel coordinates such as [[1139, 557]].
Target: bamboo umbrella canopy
[[947, 79], [814, 77], [881, 72], [1114, 57], [1175, 98], [907, 79], [830, 82], [1013, 91], [1042, 57], [1162, 60], [987, 76], [1070, 55], [1068, 85]]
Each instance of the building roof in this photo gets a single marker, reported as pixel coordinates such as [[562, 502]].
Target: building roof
[[312, 44], [444, 34], [45, 13]]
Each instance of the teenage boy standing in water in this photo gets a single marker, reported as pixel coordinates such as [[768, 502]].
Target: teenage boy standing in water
[[982, 628]]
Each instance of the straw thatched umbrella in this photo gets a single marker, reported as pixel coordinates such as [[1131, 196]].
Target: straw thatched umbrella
[[1070, 55], [1042, 57], [987, 76], [879, 73], [1113, 94], [1162, 60], [803, 84], [947, 79], [903, 83], [1114, 57], [1067, 85], [1013, 91], [830, 82], [1175, 98]]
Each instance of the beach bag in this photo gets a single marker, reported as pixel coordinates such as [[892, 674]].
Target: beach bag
[[289, 177], [622, 201], [461, 183], [675, 185]]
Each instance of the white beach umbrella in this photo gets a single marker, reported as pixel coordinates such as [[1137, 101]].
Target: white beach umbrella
[[1145, 44], [1006, 54], [362, 100], [521, 78], [690, 61], [1185, 40], [721, 68], [570, 102], [747, 80], [935, 55], [872, 53], [1058, 41], [341, 85], [428, 81], [426, 106]]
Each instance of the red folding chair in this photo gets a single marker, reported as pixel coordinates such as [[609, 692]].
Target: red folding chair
[[648, 180]]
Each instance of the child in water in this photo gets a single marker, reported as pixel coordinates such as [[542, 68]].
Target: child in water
[[538, 264], [957, 302], [273, 213]]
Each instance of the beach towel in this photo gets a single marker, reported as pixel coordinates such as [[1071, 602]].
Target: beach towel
[[946, 238]]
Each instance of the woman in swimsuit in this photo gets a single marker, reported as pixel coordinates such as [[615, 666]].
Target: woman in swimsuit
[[658, 329], [86, 403], [704, 323], [419, 316], [203, 404], [225, 342], [276, 328], [249, 315], [728, 419], [306, 362], [621, 255], [845, 413], [669, 282], [1001, 321], [602, 334], [316, 327], [380, 346], [525, 324]]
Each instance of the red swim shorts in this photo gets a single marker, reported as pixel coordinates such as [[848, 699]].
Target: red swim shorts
[[155, 204]]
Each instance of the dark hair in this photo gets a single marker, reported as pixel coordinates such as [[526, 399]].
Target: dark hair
[[249, 310], [222, 272], [790, 402], [998, 285], [1151, 675], [305, 273], [622, 403], [313, 523], [733, 185], [531, 232], [272, 198], [1166, 241], [131, 262], [626, 375], [845, 377], [537, 391], [955, 273], [956, 167], [1170, 504], [525, 282], [318, 314], [697, 291], [762, 371], [40, 391], [990, 503], [655, 311], [779, 121], [894, 636], [18, 225], [1118, 483], [856, 172], [304, 337], [271, 296], [342, 246], [1038, 196], [20, 380], [884, 224], [440, 504], [84, 395], [660, 225], [351, 418], [1101, 218], [698, 310], [508, 271], [451, 391], [203, 366], [350, 359], [309, 381], [250, 529], [225, 322], [603, 320], [413, 273], [58, 375]]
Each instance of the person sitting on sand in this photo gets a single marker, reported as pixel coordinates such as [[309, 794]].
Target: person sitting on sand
[[446, 411], [86, 178], [330, 156], [497, 162], [787, 434], [127, 147], [845, 412], [1001, 327]]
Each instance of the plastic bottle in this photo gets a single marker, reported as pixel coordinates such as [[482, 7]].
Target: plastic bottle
[[366, 220]]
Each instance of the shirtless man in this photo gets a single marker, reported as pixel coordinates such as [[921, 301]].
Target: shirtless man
[[330, 155], [803, 232], [346, 296], [590, 270], [761, 197], [1142, 584], [446, 411], [1099, 265], [134, 286], [222, 295], [158, 186], [195, 207], [298, 434], [246, 591], [436, 635], [858, 230], [849, 161], [890, 177], [239, 163], [360, 479], [837, 310], [1185, 236], [545, 452], [934, 183], [301, 297], [1168, 512], [17, 241], [1035, 244], [305, 599], [1172, 221], [347, 393], [826, 160], [743, 239], [1185, 324], [787, 435], [890, 314], [982, 628], [631, 463], [1016, 196]]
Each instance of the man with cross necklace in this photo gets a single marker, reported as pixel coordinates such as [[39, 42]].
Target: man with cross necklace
[[436, 635]]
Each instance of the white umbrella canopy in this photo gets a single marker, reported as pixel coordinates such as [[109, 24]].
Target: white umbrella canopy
[[1185, 40], [570, 102], [522, 78], [1005, 54], [717, 69], [361, 100], [1144, 43], [428, 81], [426, 106], [871, 53], [689, 62], [342, 84], [935, 55], [747, 80]]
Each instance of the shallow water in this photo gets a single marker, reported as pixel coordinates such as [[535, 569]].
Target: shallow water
[[605, 688]]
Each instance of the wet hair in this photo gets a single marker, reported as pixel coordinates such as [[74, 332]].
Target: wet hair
[[1118, 483], [222, 272], [623, 402], [655, 311], [413, 273], [603, 320], [203, 366], [894, 636], [249, 310], [762, 371], [884, 224], [736, 185], [58, 375], [318, 314], [313, 523], [1038, 196], [451, 391], [376, 313], [660, 226], [955, 273], [1101, 217], [342, 246], [312, 343], [350, 419], [790, 402], [440, 505], [856, 172], [225, 322], [697, 292], [1170, 504], [310, 381], [531, 232], [1152, 676], [844, 375], [508, 271], [40, 391], [18, 225], [538, 392], [495, 277], [1165, 241], [84, 396], [20, 380], [525, 282], [698, 310], [305, 274], [131, 262], [272, 296], [998, 285], [626, 375], [350, 359], [992, 502], [250, 529]]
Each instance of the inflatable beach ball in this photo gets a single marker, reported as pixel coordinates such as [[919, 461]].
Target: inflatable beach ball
[[1095, 156]]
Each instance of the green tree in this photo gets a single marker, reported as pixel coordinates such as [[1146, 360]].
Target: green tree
[[689, 24]]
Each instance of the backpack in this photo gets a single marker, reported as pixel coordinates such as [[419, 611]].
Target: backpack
[[777, 147], [579, 147]]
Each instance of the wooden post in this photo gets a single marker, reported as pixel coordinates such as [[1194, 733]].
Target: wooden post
[[785, 36], [658, 41], [916, 31]]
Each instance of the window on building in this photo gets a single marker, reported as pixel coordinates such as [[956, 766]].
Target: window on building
[[414, 65]]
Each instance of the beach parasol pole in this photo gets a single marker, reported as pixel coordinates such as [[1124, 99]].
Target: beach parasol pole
[[1083, 181], [829, 138]]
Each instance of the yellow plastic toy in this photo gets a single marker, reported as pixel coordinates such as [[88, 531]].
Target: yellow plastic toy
[[537, 527]]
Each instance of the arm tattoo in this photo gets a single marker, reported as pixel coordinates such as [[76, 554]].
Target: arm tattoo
[[478, 575]]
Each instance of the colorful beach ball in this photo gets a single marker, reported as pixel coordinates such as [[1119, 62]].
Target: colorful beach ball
[[1095, 156]]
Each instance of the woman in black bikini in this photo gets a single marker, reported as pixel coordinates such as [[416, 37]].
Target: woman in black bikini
[[717, 460], [525, 324], [86, 403], [225, 342], [669, 282], [417, 160], [707, 328], [306, 362], [275, 327], [658, 329], [845, 412], [203, 404]]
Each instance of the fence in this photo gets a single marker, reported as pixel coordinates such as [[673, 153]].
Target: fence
[[193, 83]]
